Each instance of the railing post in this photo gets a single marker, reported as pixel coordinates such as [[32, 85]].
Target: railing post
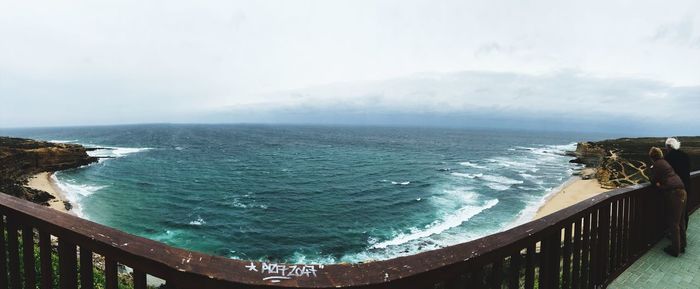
[[67, 263], [3, 255], [86, 267], [530, 267], [13, 253], [28, 254], [603, 244], [45, 259]]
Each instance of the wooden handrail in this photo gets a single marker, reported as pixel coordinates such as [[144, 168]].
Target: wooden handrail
[[570, 242]]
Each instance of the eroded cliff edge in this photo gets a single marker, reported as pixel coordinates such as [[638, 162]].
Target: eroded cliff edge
[[22, 158], [624, 161]]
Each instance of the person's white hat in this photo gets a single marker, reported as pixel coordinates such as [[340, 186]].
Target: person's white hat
[[673, 143]]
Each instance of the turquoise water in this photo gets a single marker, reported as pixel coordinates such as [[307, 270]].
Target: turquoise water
[[311, 194]]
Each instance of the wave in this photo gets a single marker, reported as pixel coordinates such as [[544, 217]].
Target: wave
[[115, 152], [63, 141], [500, 180], [469, 176], [472, 165], [450, 221], [198, 222], [401, 183], [75, 192]]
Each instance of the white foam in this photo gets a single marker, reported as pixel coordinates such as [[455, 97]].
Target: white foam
[[198, 222], [472, 165], [527, 164], [115, 152], [500, 180], [534, 179], [63, 141], [469, 176], [400, 183], [75, 192], [450, 221], [498, 187]]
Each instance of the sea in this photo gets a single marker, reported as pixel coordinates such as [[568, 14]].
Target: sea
[[311, 194]]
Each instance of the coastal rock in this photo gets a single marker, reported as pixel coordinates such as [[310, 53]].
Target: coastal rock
[[623, 162], [22, 158]]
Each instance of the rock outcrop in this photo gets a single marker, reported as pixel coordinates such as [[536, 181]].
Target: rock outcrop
[[623, 162], [22, 158]]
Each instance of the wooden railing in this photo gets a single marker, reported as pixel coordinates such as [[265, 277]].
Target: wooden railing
[[584, 246]]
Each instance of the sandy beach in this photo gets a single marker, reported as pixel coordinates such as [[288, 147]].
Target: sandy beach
[[574, 191], [43, 182]]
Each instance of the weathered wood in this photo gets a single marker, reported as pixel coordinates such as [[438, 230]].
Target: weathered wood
[[496, 277], [612, 261], [514, 271], [110, 273], [586, 251], [555, 259], [45, 259], [139, 279], [3, 255], [603, 244], [601, 226], [28, 257], [577, 252], [566, 257], [86, 269], [530, 267], [67, 264], [13, 253]]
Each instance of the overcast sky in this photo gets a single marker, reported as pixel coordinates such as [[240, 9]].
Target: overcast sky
[[110, 62]]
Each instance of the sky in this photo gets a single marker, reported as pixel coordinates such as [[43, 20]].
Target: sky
[[571, 65]]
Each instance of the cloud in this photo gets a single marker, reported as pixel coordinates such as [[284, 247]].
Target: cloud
[[682, 33], [566, 93]]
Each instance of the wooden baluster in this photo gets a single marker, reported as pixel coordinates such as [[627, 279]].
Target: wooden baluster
[[566, 258], [67, 263], [476, 278], [544, 264], [586, 250], [13, 254], [603, 244], [613, 234], [555, 259], [576, 270], [28, 257], [530, 267], [457, 282], [621, 240], [496, 278], [139, 279], [86, 269], [45, 259], [110, 273], [514, 270], [3, 255]]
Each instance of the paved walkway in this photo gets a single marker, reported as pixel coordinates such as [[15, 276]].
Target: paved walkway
[[658, 270]]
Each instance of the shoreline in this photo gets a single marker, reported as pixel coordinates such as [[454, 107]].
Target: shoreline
[[571, 192], [44, 182]]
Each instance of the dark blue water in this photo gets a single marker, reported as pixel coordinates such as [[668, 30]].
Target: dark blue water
[[311, 194]]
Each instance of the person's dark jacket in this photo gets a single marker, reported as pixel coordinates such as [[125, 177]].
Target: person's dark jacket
[[680, 162], [663, 173]]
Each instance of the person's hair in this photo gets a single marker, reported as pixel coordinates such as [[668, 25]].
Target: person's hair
[[673, 143], [656, 153]]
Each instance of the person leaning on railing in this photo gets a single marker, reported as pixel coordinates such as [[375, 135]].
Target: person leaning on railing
[[680, 162], [666, 179]]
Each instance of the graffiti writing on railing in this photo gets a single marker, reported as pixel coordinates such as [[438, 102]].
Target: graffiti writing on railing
[[274, 272]]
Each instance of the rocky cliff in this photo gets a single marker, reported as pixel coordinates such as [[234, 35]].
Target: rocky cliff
[[623, 162], [22, 158]]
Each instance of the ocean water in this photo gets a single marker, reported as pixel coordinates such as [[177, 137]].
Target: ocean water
[[311, 194]]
